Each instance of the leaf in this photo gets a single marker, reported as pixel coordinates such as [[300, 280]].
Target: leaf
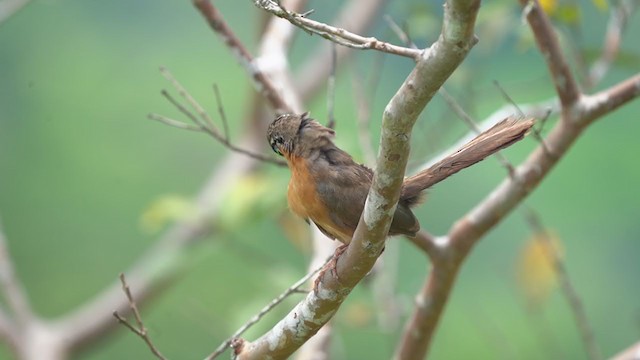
[[358, 314], [569, 14], [549, 6], [602, 5], [536, 275], [166, 208], [250, 198], [296, 231]]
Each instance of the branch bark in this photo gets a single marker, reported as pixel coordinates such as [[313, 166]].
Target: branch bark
[[432, 69], [547, 41], [476, 223]]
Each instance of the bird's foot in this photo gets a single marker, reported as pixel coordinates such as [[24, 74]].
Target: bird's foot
[[332, 265]]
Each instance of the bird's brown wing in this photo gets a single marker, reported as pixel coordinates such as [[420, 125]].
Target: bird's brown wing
[[343, 185]]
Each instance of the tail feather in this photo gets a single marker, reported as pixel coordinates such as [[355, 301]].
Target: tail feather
[[503, 134]]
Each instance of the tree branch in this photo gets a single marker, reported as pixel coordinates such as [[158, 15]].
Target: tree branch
[[631, 353], [9, 7], [12, 288], [500, 202], [547, 40], [355, 16], [592, 107], [569, 292], [265, 310], [260, 80], [431, 70], [336, 35], [140, 330]]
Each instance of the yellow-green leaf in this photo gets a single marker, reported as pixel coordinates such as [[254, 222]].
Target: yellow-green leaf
[[536, 275], [166, 208]]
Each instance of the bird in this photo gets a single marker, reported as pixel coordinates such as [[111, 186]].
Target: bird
[[327, 187]]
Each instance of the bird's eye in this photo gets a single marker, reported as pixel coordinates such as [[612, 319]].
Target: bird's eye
[[275, 144]]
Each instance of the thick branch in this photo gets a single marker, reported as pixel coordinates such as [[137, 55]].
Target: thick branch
[[500, 202], [594, 106], [432, 69]]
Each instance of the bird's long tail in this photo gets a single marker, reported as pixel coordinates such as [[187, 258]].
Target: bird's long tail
[[503, 134]]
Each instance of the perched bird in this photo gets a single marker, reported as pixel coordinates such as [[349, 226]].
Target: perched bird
[[329, 188]]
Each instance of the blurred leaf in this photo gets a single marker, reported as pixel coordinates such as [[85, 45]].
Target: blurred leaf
[[165, 209], [568, 13], [422, 22], [549, 6], [601, 5], [296, 230], [625, 59], [495, 24], [250, 198], [358, 314], [536, 275]]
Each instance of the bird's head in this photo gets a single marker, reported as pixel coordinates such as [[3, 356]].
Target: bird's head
[[289, 132]]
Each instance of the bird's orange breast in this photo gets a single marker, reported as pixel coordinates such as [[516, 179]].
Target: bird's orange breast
[[305, 202]]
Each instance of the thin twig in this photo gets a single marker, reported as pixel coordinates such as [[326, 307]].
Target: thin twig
[[140, 330], [223, 116], [205, 120], [11, 286], [400, 33], [616, 26], [355, 16], [295, 288], [536, 131], [331, 89], [453, 105], [547, 40], [336, 35], [533, 219], [202, 122], [363, 111], [570, 293], [260, 80]]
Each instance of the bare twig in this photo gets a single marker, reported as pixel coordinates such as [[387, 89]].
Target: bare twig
[[336, 35], [536, 131], [570, 293], [533, 219], [363, 111], [400, 33], [140, 330], [355, 16], [331, 89], [547, 40], [427, 243], [472, 125], [260, 80], [618, 18], [10, 7], [221, 113], [500, 202], [12, 288], [202, 122], [265, 310]]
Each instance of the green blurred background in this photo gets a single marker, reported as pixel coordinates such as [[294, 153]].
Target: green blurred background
[[80, 164]]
